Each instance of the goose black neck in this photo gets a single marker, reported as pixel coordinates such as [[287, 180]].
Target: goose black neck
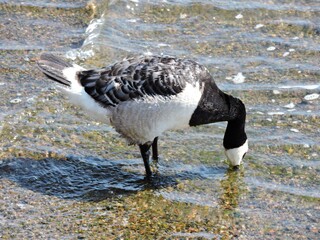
[[216, 106], [235, 135]]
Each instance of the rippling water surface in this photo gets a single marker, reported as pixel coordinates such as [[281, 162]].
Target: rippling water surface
[[265, 52]]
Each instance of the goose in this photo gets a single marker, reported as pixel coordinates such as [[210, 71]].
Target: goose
[[144, 96]]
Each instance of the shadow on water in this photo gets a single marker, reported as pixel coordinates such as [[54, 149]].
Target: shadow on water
[[93, 179]]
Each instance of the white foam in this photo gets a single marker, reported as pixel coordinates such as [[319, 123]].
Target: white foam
[[183, 15], [259, 26], [239, 78], [294, 130], [132, 20], [95, 24], [275, 113], [93, 32]]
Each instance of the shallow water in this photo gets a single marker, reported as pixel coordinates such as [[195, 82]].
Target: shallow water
[[61, 169]]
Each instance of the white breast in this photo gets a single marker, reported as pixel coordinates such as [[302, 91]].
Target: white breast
[[142, 120]]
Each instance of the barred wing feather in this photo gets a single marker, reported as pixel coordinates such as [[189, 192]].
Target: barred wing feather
[[138, 77]]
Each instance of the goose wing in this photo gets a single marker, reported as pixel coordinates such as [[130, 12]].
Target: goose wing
[[138, 77]]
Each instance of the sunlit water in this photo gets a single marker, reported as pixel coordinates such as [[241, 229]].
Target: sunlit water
[[265, 52]]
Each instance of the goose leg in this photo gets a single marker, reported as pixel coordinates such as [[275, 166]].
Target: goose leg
[[145, 154], [155, 155]]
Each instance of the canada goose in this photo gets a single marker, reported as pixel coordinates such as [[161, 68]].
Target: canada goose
[[143, 96]]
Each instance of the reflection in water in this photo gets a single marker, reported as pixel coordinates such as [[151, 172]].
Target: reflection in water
[[221, 191], [232, 186]]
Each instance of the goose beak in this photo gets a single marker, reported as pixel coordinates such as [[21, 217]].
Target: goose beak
[[236, 167]]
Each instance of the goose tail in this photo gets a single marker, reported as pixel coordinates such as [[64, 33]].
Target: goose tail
[[59, 70], [53, 67]]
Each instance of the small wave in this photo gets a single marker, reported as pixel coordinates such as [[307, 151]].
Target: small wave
[[307, 192], [308, 87], [93, 33]]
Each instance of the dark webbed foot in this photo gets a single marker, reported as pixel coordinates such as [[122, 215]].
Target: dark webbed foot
[[155, 155], [145, 154]]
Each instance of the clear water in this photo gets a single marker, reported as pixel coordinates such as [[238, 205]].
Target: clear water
[[53, 149]]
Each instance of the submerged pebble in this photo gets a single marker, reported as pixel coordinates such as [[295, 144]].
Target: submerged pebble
[[21, 205], [294, 130], [31, 99], [270, 49], [285, 54], [183, 15], [163, 45], [15, 100], [311, 97], [290, 105]]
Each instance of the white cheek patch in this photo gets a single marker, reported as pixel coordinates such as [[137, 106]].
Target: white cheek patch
[[235, 155]]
